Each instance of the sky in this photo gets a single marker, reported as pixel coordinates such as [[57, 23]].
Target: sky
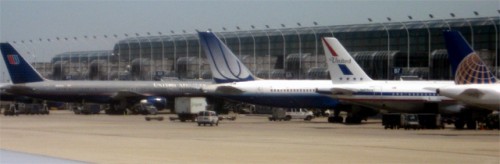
[[25, 20]]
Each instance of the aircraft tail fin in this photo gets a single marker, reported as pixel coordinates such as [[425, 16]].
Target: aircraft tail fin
[[466, 65], [343, 68], [20, 71], [225, 66]]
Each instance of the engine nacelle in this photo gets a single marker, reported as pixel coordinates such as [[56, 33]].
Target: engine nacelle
[[159, 102], [452, 109]]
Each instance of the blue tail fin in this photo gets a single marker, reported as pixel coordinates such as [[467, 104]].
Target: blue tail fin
[[466, 65], [20, 71], [225, 66]]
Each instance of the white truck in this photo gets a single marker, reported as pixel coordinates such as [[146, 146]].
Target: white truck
[[187, 108], [291, 113]]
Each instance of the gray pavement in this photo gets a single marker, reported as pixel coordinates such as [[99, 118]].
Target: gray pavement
[[249, 139]]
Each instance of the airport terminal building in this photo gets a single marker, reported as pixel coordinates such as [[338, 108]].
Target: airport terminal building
[[385, 51]]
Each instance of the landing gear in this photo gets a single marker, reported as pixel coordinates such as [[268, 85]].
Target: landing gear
[[336, 118], [471, 124], [353, 120], [116, 109], [470, 118]]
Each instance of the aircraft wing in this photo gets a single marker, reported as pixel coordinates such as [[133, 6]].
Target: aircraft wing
[[127, 94], [335, 91], [228, 90], [472, 92], [324, 91], [342, 91], [19, 89]]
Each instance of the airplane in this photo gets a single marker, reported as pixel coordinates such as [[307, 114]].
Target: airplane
[[475, 84], [353, 85], [119, 94], [235, 82]]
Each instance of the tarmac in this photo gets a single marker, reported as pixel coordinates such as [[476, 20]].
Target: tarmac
[[102, 138]]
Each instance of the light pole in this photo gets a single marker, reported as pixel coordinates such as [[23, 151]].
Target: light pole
[[220, 33], [388, 47], [140, 53], [175, 52], [315, 45], [300, 50], [327, 27], [108, 63], [496, 41], [162, 52], [199, 55], [187, 50], [71, 50], [471, 30], [284, 46], [239, 41], [408, 43], [428, 48], [75, 39], [129, 53], [254, 58], [87, 63], [119, 55], [44, 66], [151, 61], [30, 52], [449, 27], [35, 53], [268, 52]]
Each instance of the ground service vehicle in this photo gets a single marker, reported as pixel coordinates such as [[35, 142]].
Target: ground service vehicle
[[27, 108], [299, 113], [412, 121], [87, 109], [207, 117], [187, 108], [279, 114], [144, 108]]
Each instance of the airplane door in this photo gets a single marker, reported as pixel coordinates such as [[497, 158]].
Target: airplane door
[[260, 89], [377, 95]]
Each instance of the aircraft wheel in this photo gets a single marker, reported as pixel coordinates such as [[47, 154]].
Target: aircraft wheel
[[339, 119], [471, 124], [348, 120], [331, 119], [459, 124]]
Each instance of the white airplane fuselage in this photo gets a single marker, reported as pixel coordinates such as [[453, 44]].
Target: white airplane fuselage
[[400, 96]]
